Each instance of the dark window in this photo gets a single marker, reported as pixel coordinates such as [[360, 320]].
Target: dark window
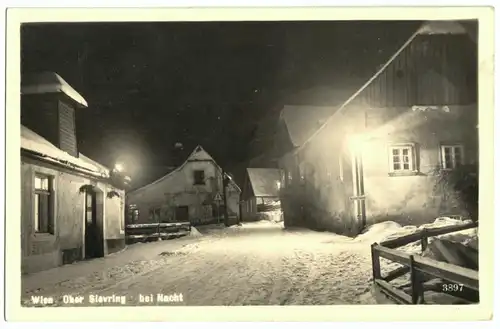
[[451, 156], [44, 220], [199, 177]]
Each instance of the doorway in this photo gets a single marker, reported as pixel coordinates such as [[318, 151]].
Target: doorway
[[182, 214], [94, 246]]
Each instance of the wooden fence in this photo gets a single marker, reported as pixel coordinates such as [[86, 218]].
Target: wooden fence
[[418, 266], [138, 232]]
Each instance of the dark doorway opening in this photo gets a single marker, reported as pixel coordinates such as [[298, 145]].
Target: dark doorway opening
[[94, 245], [182, 214]]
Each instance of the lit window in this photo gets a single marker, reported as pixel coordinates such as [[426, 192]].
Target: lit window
[[42, 182], [135, 215], [402, 158], [452, 156], [43, 220]]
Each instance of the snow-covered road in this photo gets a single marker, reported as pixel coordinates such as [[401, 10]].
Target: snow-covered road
[[257, 264]]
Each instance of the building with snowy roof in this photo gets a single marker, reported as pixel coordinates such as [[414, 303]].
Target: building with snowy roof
[[192, 192], [260, 192], [379, 154], [72, 206]]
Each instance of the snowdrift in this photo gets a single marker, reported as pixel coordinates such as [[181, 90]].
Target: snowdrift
[[389, 230], [194, 232]]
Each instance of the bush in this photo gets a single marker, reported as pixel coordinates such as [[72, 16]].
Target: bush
[[463, 184]]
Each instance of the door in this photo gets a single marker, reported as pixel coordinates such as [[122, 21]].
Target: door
[[93, 243], [182, 214]]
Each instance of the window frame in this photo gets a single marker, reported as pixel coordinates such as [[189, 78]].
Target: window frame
[[195, 181], [412, 156], [453, 146], [47, 191]]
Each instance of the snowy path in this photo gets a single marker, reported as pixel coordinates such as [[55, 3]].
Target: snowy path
[[254, 265]]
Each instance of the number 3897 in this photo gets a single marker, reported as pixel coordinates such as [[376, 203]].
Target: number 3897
[[453, 287]]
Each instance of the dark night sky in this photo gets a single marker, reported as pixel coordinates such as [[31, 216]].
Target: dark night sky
[[150, 85]]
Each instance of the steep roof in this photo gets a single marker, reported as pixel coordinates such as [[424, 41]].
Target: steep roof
[[263, 181], [427, 28], [50, 82], [33, 142], [302, 120], [198, 154]]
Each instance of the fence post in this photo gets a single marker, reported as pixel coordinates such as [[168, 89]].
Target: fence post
[[424, 239], [417, 292], [375, 262]]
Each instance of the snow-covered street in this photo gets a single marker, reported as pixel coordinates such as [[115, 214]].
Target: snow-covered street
[[254, 264], [257, 264]]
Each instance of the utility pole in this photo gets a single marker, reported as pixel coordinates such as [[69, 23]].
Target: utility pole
[[225, 182]]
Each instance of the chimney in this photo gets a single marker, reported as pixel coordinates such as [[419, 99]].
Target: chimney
[[48, 106]]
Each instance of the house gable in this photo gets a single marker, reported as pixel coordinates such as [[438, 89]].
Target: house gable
[[181, 179]]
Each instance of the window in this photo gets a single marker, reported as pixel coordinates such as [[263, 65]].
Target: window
[[452, 156], [199, 177], [402, 158], [289, 178], [44, 221], [135, 215]]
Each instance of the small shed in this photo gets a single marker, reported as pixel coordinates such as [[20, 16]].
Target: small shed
[[260, 191]]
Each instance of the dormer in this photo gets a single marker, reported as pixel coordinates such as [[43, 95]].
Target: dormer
[[48, 106]]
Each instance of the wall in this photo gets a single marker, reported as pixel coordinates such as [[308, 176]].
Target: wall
[[66, 245], [177, 189], [414, 199], [322, 182], [433, 69]]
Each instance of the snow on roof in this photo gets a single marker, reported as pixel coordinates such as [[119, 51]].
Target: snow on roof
[[302, 120], [198, 154], [442, 27], [263, 181], [33, 142], [50, 82], [101, 167]]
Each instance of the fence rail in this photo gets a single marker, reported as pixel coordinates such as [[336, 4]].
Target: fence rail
[[146, 231], [418, 266]]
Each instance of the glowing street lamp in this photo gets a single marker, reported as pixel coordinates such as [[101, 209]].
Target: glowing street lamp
[[118, 167]]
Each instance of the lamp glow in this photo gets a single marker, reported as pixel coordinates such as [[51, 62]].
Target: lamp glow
[[356, 143], [119, 167]]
